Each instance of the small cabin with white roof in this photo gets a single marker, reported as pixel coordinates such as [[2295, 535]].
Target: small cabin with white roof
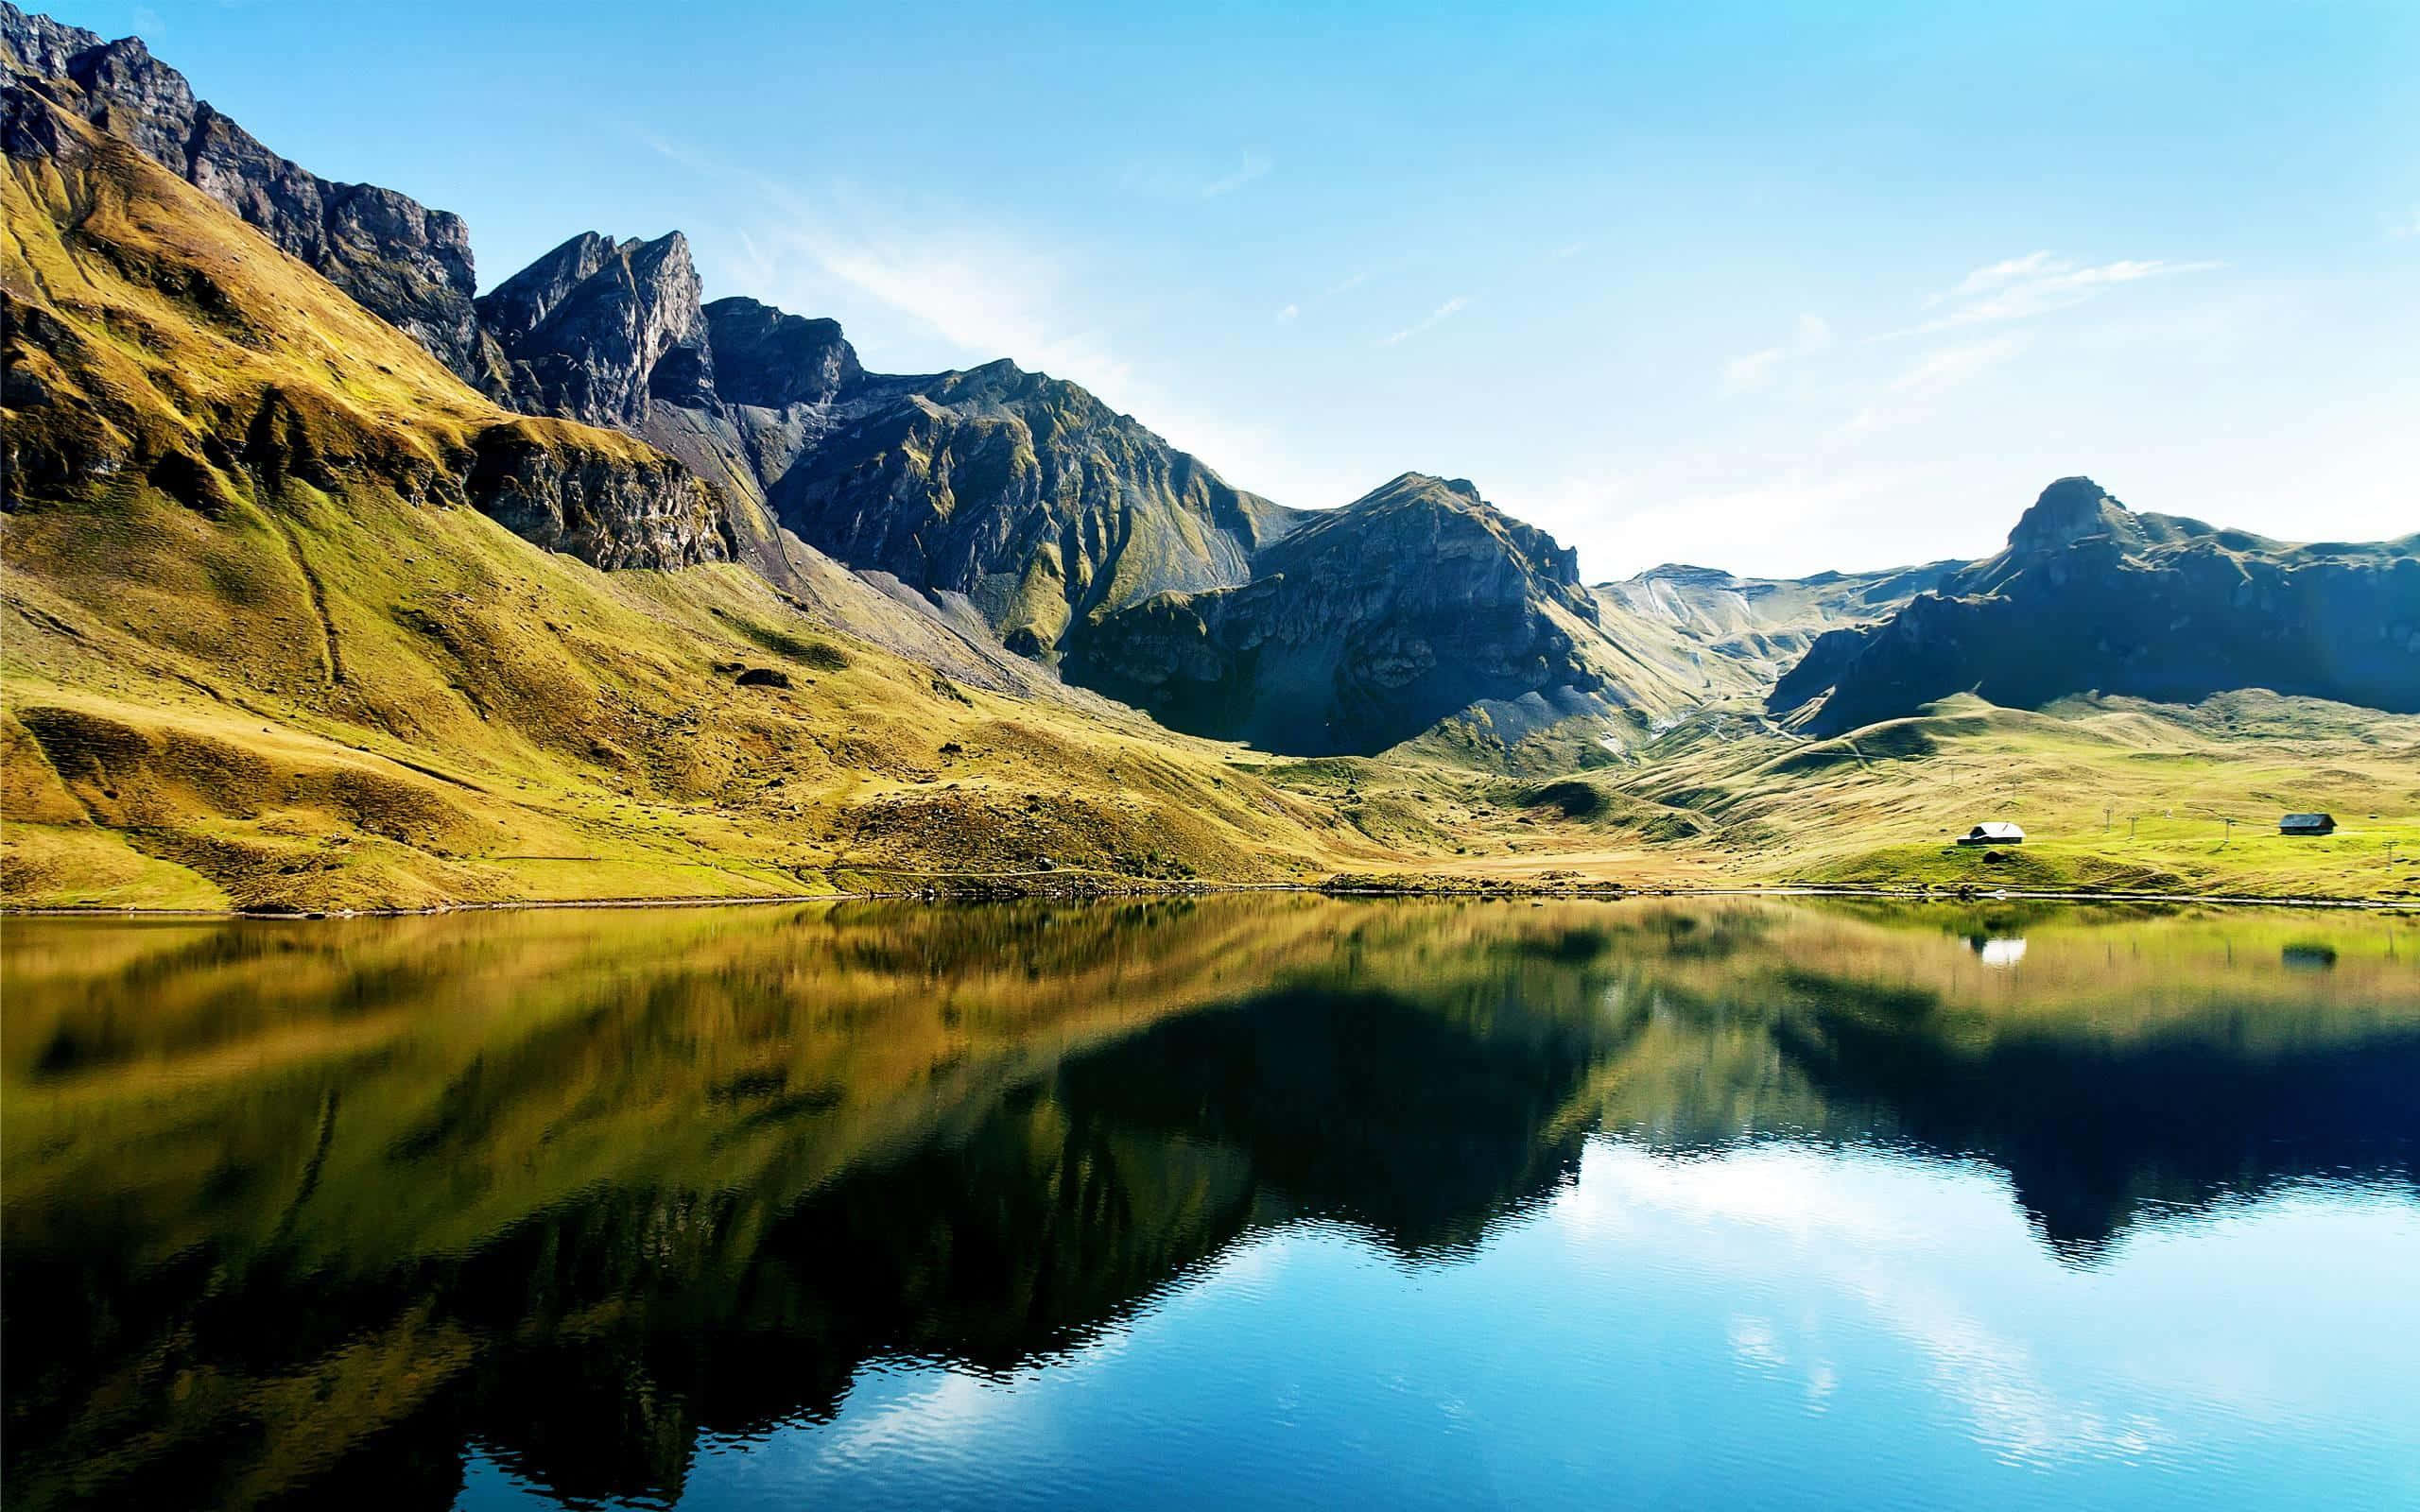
[[1993, 832]]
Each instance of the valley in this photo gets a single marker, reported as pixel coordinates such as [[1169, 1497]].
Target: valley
[[330, 584]]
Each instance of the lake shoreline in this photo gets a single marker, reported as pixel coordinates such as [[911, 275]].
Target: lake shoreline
[[1436, 888]]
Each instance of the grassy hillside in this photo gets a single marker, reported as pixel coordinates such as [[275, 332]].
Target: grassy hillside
[[2114, 795], [256, 651], [259, 649]]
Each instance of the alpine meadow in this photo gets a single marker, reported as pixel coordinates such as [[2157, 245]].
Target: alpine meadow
[[1377, 994]]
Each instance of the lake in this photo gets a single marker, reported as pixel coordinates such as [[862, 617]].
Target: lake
[[1240, 1200]]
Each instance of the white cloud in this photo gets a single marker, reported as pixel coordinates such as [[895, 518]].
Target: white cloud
[[1293, 309], [985, 291], [2020, 288], [985, 296], [1862, 1227], [1746, 375], [1445, 311], [1995, 275], [1181, 178], [2406, 226], [1701, 507]]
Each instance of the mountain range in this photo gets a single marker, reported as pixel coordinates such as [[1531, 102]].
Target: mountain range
[[241, 398]]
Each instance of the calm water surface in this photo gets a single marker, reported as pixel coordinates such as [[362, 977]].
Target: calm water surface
[[1241, 1201]]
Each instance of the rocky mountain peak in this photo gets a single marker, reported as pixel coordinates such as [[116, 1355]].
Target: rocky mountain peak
[[41, 47], [403, 262], [522, 302], [2091, 594], [595, 330], [771, 358], [1450, 511], [1681, 572], [2068, 511]]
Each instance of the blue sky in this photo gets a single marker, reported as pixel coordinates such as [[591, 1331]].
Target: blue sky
[[1772, 288]]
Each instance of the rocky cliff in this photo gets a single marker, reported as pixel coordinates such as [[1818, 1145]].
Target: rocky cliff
[[1741, 634], [1365, 627], [1022, 494], [404, 262], [597, 332], [2091, 597], [255, 379], [1000, 507]]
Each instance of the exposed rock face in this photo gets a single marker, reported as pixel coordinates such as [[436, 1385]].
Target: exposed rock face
[[1023, 492], [1740, 634], [609, 510], [404, 262], [766, 359], [1369, 625], [2068, 511], [246, 393], [613, 334], [595, 332], [2090, 597]]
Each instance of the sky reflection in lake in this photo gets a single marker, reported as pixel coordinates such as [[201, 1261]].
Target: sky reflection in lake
[[1778, 1326], [1246, 1201]]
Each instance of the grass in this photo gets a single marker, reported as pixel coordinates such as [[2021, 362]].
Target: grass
[[324, 687], [256, 652], [2114, 795]]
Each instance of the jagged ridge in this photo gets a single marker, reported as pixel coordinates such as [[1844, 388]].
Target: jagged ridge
[[1365, 626], [2090, 595], [406, 263]]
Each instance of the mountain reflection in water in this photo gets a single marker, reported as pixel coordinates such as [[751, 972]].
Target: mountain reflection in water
[[319, 1212]]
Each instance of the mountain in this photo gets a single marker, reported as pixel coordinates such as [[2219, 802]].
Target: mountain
[[277, 629], [2092, 596], [147, 343], [1022, 496], [1743, 633], [597, 332], [672, 597], [407, 263], [1023, 492], [1362, 627]]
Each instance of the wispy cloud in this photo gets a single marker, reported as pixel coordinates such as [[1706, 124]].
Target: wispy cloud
[[1443, 312], [1758, 369], [2037, 283], [985, 294], [2000, 275], [2404, 227], [1253, 166], [1938, 373], [1290, 313], [1912, 393]]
